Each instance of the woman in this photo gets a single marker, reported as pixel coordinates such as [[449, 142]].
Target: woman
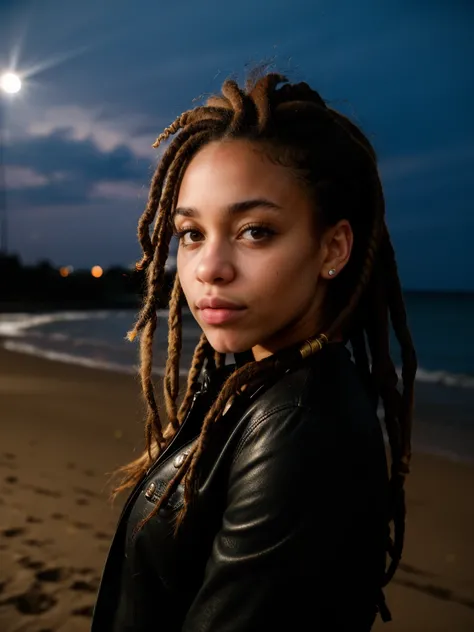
[[265, 503]]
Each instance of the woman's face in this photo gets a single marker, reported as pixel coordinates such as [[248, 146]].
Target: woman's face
[[250, 239]]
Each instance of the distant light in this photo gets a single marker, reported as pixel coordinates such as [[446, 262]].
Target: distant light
[[97, 272], [65, 271], [10, 82]]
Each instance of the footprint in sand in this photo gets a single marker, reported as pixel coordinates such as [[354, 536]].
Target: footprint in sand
[[100, 535], [38, 543], [57, 516], [81, 525], [33, 601], [27, 562], [85, 611], [91, 586], [45, 492], [82, 501], [33, 519], [9, 455], [12, 533], [53, 575], [11, 479]]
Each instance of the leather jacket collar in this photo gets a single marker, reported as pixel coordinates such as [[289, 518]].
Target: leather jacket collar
[[212, 379]]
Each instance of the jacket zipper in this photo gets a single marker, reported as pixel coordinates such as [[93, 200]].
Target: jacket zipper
[[158, 461]]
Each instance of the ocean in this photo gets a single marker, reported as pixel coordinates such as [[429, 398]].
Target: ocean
[[440, 324]]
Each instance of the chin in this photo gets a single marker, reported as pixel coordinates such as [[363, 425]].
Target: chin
[[228, 342]]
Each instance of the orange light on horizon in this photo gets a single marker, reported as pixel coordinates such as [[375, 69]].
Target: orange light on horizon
[[97, 272], [65, 271]]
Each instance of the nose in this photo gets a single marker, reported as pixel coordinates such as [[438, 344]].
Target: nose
[[215, 264]]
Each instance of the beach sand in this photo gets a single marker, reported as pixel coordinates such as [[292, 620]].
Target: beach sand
[[64, 428]]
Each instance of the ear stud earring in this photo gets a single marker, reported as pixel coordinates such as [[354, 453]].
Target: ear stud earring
[[332, 272]]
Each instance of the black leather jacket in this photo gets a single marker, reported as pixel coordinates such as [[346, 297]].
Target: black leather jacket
[[289, 527]]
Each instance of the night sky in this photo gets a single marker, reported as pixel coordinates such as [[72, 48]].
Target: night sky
[[104, 77]]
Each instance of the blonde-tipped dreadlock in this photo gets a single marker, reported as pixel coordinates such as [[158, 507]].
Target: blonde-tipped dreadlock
[[295, 127]]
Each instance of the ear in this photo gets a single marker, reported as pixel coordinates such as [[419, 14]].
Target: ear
[[336, 249]]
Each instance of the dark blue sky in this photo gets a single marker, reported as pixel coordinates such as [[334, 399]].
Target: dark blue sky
[[105, 77]]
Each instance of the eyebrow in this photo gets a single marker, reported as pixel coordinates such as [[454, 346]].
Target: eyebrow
[[233, 209]]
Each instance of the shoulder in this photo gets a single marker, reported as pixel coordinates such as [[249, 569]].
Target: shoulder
[[313, 385], [319, 405], [318, 378]]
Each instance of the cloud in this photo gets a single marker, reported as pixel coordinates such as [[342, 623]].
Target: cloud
[[60, 169], [94, 123], [107, 190], [23, 178]]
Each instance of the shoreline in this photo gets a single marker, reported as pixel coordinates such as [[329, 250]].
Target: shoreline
[[443, 417], [17, 325], [436, 378]]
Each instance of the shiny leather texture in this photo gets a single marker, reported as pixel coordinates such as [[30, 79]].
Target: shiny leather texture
[[289, 527]]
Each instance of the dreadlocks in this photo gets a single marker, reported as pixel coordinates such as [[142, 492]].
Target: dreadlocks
[[296, 128]]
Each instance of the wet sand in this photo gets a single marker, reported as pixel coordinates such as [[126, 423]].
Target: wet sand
[[64, 428]]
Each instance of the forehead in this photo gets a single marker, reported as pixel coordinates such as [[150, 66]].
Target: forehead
[[226, 172]]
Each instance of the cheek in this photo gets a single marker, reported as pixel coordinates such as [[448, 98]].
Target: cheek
[[288, 268], [183, 275]]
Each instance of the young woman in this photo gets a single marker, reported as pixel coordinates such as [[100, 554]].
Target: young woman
[[265, 502]]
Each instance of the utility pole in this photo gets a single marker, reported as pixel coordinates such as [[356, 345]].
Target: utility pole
[[10, 83]]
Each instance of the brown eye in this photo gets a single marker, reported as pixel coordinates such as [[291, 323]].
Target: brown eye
[[258, 232], [192, 234], [181, 234]]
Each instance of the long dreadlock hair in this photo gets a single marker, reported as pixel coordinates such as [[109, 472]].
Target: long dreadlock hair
[[337, 163]]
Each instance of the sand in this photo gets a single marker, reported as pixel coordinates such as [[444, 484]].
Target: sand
[[64, 428]]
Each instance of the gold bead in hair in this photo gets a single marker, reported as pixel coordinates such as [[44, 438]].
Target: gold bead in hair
[[313, 345]]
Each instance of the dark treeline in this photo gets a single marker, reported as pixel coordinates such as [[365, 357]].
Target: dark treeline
[[43, 286]]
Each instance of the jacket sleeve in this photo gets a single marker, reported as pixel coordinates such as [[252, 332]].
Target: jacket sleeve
[[277, 562]]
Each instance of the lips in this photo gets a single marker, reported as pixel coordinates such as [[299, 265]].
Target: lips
[[215, 310], [214, 302], [220, 316]]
